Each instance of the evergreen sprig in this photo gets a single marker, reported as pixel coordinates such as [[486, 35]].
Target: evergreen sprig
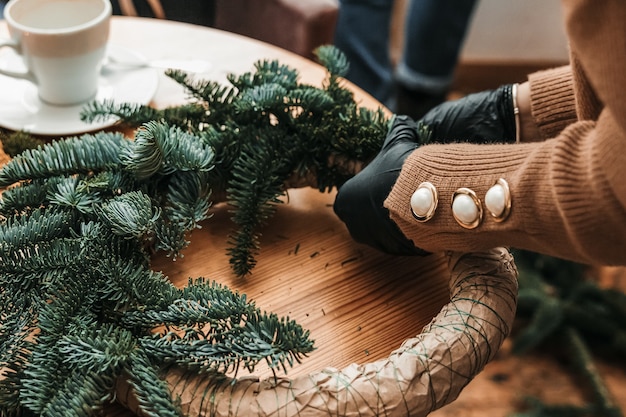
[[37, 226], [83, 154], [96, 312], [80, 304], [268, 131]]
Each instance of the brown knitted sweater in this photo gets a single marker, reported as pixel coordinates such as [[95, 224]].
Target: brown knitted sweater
[[568, 192]]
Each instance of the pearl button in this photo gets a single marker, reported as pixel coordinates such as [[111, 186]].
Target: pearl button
[[421, 201], [466, 208], [424, 202], [494, 200], [498, 200]]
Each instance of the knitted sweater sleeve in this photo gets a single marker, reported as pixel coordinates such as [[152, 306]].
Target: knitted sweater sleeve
[[568, 192], [553, 104]]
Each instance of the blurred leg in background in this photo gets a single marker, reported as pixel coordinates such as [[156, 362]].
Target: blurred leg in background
[[434, 31], [362, 33]]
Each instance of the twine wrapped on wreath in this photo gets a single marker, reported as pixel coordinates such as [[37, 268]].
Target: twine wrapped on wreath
[[424, 374]]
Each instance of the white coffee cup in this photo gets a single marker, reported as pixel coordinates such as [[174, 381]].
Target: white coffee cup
[[62, 43]]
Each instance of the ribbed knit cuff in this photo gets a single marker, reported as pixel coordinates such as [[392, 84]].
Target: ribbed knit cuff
[[553, 104]]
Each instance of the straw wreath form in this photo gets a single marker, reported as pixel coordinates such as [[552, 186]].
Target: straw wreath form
[[424, 374]]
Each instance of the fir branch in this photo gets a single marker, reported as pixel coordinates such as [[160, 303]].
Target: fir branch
[[562, 303], [92, 360], [266, 72], [261, 98], [224, 302], [131, 215], [71, 193], [556, 293], [66, 191], [602, 399], [188, 199], [70, 305], [130, 113], [15, 327], [45, 377], [38, 226], [199, 303], [547, 318], [256, 183], [319, 134], [333, 59], [30, 195], [155, 399], [161, 149], [280, 340], [217, 330], [170, 237], [309, 98], [135, 115], [280, 343], [85, 154], [102, 350], [144, 158], [43, 261], [186, 152], [129, 284], [200, 356], [81, 394], [207, 91]]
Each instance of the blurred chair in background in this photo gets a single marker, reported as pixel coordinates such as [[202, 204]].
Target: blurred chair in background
[[199, 12], [298, 26]]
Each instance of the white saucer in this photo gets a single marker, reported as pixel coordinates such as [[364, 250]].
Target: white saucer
[[21, 108]]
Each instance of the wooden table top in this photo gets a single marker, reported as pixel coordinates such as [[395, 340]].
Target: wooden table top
[[358, 304]]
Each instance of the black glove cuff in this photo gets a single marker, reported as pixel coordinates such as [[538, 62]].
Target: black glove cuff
[[506, 109]]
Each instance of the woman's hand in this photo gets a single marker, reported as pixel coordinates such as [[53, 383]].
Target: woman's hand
[[359, 202], [485, 117]]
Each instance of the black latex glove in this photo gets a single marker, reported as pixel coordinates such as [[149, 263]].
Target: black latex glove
[[485, 117], [359, 202], [478, 118]]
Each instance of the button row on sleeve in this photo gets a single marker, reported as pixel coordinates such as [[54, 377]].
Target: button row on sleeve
[[467, 208]]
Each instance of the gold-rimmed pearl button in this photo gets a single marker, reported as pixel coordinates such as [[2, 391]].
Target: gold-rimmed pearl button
[[424, 202], [466, 208], [498, 200]]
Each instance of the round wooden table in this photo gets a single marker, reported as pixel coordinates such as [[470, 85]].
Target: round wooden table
[[358, 304]]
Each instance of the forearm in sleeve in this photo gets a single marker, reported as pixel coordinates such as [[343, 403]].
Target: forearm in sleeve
[[565, 200]]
